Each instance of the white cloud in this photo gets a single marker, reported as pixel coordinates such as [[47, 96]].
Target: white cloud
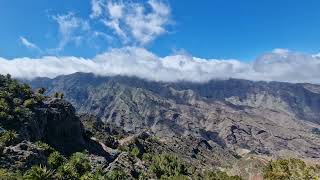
[[131, 61], [96, 7], [71, 29], [137, 23], [24, 41]]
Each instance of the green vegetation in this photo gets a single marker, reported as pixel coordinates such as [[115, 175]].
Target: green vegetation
[[58, 95], [46, 148], [39, 173], [7, 175], [41, 90], [77, 166], [166, 166], [56, 160], [16, 103], [8, 138], [219, 175], [285, 169], [135, 152], [147, 157], [116, 174]]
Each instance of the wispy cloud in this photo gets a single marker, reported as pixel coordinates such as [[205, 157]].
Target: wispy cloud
[[278, 65], [24, 41], [96, 7], [71, 29], [133, 22]]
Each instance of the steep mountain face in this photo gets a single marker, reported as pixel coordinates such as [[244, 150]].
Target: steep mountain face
[[243, 116]]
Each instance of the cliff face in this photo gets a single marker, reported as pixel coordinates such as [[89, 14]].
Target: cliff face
[[34, 126], [55, 123], [27, 116], [266, 118]]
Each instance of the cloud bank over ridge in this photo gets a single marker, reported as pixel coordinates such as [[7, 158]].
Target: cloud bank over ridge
[[279, 65]]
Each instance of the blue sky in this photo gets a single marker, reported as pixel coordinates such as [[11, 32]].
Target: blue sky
[[222, 29]]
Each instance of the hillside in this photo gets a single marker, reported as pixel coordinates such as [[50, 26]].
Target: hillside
[[272, 119], [41, 137]]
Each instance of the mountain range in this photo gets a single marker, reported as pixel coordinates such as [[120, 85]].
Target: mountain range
[[83, 126], [271, 119]]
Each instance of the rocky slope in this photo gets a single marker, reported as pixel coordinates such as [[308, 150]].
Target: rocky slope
[[41, 137], [30, 122], [266, 118]]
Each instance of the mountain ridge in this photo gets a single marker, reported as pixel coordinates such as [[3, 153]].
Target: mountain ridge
[[269, 118]]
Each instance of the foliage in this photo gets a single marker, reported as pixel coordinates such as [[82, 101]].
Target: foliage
[[66, 171], [8, 138], [58, 95], [165, 166], [55, 160], [41, 90], [97, 175], [116, 174], [7, 175], [81, 163], [219, 175], [135, 152], [15, 102], [283, 169], [176, 177], [38, 173], [44, 147], [147, 157], [29, 103], [77, 166]]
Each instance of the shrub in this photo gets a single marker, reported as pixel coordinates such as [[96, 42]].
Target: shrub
[[98, 175], [167, 166], [219, 175], [176, 177], [29, 103], [290, 169], [81, 162], [3, 115], [124, 148], [4, 107], [8, 138], [55, 160], [77, 166], [38, 173], [147, 157], [58, 95], [44, 147], [41, 90], [7, 175], [116, 174], [17, 101], [135, 152], [66, 171]]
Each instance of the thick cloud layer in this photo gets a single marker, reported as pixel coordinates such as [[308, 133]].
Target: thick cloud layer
[[279, 65]]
